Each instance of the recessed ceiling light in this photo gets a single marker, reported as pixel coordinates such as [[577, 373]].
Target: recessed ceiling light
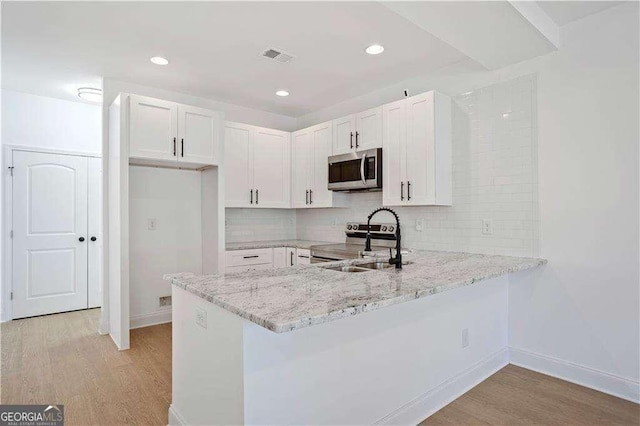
[[374, 49], [90, 94], [282, 93], [159, 60]]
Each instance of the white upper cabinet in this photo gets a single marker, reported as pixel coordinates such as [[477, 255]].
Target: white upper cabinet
[[311, 151], [238, 169], [257, 164], [198, 134], [358, 132], [154, 129], [417, 151], [172, 133], [272, 168]]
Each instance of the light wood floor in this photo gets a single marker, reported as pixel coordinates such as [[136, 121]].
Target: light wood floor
[[61, 359]]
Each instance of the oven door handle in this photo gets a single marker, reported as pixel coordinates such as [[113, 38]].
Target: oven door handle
[[364, 158]]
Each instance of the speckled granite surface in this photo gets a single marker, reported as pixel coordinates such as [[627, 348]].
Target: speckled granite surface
[[287, 299], [301, 244]]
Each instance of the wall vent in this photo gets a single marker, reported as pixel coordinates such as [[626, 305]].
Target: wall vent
[[278, 55]]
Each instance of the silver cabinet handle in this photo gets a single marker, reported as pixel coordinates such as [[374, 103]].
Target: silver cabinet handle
[[364, 158]]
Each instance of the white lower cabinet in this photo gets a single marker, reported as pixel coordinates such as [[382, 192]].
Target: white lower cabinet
[[268, 258], [303, 257]]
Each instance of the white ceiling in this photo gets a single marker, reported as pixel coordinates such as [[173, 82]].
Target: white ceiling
[[52, 48], [563, 12]]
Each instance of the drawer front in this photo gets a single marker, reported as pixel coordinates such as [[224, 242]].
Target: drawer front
[[231, 269], [304, 257], [250, 257]]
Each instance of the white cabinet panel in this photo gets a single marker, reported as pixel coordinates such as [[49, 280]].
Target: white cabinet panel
[[96, 238], [369, 129], [272, 168], [319, 195], [302, 152], [198, 135], [393, 187], [344, 130], [280, 257], [153, 132], [303, 257], [237, 165], [417, 151], [250, 257]]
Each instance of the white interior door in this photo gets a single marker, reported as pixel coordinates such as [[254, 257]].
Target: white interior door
[[94, 226], [49, 233], [197, 134]]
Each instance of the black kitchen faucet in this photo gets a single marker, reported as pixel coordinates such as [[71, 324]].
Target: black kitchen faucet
[[392, 260]]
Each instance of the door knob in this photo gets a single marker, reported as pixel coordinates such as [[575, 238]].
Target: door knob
[[93, 238], [81, 239]]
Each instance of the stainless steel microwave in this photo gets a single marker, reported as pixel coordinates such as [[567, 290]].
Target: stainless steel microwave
[[356, 171]]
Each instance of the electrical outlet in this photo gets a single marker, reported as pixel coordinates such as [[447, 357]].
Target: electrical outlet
[[465, 337], [165, 300], [151, 224], [487, 226], [419, 225], [201, 317]]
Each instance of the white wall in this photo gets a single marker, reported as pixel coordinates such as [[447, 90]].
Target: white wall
[[173, 199], [583, 308], [41, 122]]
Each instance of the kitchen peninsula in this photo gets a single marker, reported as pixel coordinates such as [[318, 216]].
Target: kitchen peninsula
[[311, 343]]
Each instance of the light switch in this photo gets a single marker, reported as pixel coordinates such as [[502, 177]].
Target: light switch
[[151, 224], [419, 225], [487, 226]]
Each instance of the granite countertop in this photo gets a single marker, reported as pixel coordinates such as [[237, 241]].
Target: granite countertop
[[287, 299], [301, 244]]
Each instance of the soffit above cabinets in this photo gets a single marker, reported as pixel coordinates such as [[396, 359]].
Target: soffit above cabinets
[[215, 48]]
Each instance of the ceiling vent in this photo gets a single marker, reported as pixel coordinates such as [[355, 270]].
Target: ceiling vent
[[278, 55]]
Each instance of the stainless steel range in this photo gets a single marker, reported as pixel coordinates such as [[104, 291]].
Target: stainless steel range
[[383, 236]]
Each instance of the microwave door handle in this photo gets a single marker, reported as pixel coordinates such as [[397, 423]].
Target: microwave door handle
[[364, 158]]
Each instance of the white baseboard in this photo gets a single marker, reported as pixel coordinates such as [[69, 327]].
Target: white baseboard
[[433, 400], [146, 320], [175, 419], [578, 374]]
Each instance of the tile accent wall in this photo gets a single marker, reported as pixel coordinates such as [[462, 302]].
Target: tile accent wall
[[259, 225], [495, 177]]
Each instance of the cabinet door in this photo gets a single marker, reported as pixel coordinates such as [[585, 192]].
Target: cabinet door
[[154, 128], [321, 136], [303, 257], [420, 150], [291, 256], [237, 165], [280, 257], [369, 129], [271, 168], [344, 132], [301, 142], [197, 135], [393, 158]]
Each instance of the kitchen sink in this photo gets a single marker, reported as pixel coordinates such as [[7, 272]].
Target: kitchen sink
[[377, 265], [349, 269]]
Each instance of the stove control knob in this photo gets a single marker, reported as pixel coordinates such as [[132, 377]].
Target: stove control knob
[[349, 226], [384, 228], [391, 229]]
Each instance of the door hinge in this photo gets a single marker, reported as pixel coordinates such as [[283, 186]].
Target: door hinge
[[11, 170], [11, 297], [11, 234]]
